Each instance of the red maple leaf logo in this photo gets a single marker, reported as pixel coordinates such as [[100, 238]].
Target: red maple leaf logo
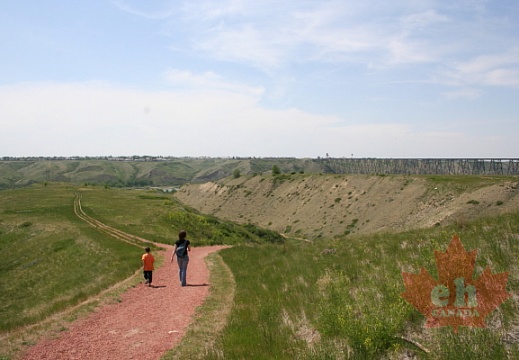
[[455, 299]]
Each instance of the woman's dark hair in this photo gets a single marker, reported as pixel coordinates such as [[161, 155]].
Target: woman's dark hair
[[182, 234]]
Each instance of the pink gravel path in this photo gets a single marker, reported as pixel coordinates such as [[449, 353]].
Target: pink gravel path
[[145, 324]]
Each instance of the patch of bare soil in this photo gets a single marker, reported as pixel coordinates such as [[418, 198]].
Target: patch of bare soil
[[146, 323]]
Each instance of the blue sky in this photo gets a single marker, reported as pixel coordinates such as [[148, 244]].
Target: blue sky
[[385, 79]]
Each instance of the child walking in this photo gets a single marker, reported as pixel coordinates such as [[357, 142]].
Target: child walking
[[147, 266]]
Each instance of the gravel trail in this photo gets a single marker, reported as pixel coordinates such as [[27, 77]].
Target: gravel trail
[[147, 321]]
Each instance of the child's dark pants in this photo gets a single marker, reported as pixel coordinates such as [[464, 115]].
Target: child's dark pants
[[148, 276]]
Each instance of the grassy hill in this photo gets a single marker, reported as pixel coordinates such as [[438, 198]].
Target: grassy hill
[[119, 173], [51, 260], [335, 295], [340, 299]]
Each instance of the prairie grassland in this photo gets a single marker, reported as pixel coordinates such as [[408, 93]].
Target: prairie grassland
[[50, 260], [159, 217], [329, 299], [340, 299]]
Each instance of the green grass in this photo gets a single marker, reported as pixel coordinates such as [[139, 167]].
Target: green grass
[[159, 217], [51, 260], [463, 183], [330, 299], [295, 301], [211, 316]]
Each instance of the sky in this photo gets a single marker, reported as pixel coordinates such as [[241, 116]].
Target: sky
[[283, 78]]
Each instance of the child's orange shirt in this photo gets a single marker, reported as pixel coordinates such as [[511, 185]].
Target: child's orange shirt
[[147, 261]]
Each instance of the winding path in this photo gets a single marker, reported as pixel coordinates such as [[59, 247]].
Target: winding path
[[147, 321]]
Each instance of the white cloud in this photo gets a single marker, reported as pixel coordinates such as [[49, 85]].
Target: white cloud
[[99, 119], [67, 119], [485, 70], [270, 34], [404, 51], [503, 77], [329, 57], [244, 44], [409, 42], [149, 9], [208, 81], [421, 20], [216, 9], [464, 93], [267, 35]]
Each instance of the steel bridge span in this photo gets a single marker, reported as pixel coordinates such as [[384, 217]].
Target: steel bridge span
[[481, 166]]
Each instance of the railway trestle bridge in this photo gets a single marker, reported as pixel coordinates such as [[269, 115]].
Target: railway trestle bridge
[[441, 166]]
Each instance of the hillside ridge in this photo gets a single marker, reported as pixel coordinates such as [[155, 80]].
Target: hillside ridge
[[324, 206], [172, 172], [131, 173]]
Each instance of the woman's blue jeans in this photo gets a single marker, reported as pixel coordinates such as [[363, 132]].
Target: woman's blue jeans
[[182, 269]]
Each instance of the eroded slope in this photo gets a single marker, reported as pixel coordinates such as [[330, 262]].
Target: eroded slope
[[314, 206]]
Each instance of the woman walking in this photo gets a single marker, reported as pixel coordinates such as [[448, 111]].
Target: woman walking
[[182, 247]]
